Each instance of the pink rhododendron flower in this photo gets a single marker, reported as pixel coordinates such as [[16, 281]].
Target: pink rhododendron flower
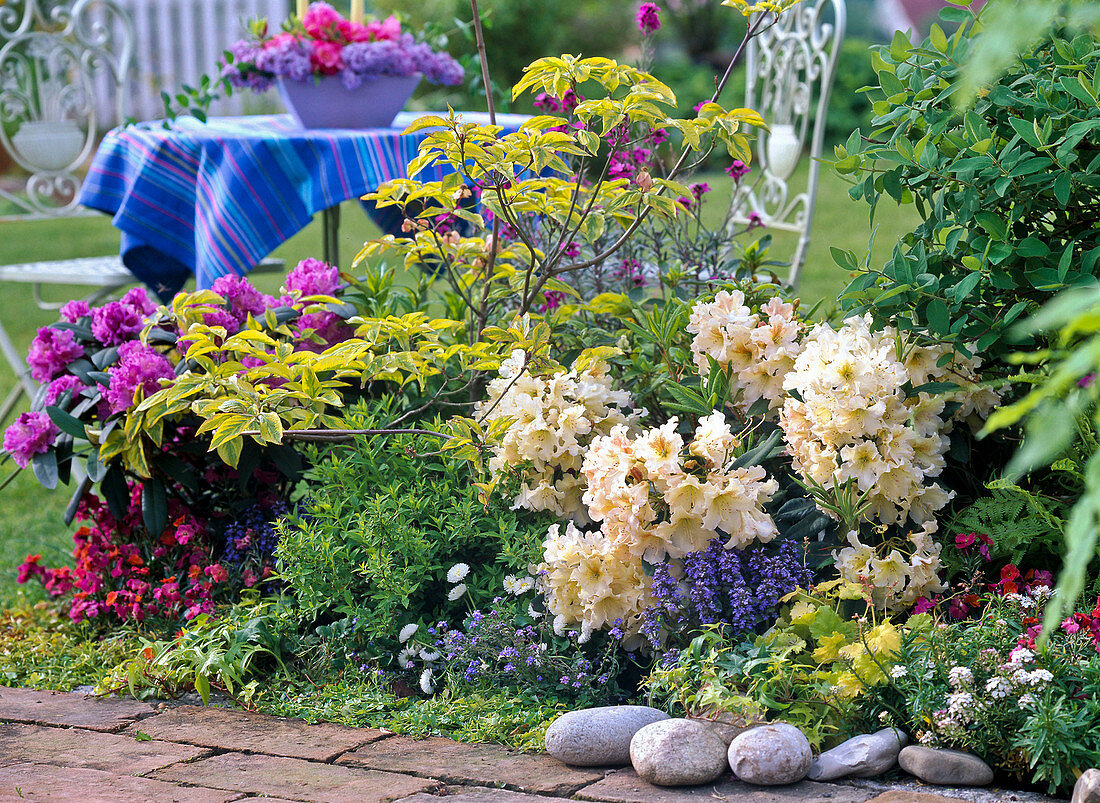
[[137, 298], [50, 351], [73, 311], [242, 297], [115, 323], [312, 277], [67, 383], [354, 31], [32, 433], [139, 366]]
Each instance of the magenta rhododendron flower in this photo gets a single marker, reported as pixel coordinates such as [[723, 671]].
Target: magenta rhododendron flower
[[137, 298], [67, 383], [243, 298], [388, 29], [312, 277], [139, 366], [326, 58], [73, 311], [31, 434], [115, 323], [50, 351], [648, 18]]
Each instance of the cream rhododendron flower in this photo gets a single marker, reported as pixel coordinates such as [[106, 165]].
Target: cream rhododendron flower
[[759, 348], [847, 418], [554, 419]]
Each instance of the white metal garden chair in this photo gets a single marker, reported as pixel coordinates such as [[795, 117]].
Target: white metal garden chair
[[790, 70], [55, 59]]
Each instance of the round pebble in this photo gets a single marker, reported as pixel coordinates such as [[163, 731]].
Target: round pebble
[[770, 755], [677, 752]]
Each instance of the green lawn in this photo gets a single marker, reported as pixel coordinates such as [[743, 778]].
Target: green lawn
[[32, 517]]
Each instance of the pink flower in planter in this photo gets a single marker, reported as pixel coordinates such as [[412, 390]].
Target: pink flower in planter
[[312, 277], [138, 366], [115, 323], [388, 29], [73, 311], [354, 31], [326, 58], [321, 20]]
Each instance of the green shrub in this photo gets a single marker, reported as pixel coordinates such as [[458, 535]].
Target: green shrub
[[380, 529], [1006, 189]]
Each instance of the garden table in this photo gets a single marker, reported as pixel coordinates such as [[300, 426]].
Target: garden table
[[213, 199]]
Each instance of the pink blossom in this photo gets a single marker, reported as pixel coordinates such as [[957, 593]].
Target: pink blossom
[[66, 383], [923, 605], [32, 433], [388, 29], [648, 18], [217, 573], [73, 311], [354, 31], [321, 20], [1070, 625], [137, 298], [115, 323], [242, 297], [312, 277], [51, 351], [325, 58], [139, 366]]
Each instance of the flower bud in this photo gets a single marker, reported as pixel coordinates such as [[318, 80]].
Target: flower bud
[[644, 181]]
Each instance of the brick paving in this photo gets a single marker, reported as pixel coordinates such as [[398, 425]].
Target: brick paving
[[70, 747]]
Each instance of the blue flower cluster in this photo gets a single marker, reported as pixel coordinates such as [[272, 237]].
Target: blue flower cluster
[[250, 540], [494, 651], [719, 586]]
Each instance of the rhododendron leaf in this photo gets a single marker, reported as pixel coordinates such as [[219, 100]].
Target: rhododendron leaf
[[45, 469], [154, 507], [114, 491], [66, 423], [104, 358]]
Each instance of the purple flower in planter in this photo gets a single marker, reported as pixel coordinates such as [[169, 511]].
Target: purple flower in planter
[[138, 366], [312, 277], [61, 385], [137, 298], [31, 434], [52, 350], [115, 323]]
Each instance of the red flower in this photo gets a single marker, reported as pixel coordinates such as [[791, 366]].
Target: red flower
[[326, 58]]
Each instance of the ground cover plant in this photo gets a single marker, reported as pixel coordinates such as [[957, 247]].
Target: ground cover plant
[[593, 450]]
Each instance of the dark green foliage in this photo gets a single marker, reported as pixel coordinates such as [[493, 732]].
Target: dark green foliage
[[1006, 189], [379, 531]]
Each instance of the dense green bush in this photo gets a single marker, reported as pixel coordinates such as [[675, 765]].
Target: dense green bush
[[378, 533], [1006, 189]]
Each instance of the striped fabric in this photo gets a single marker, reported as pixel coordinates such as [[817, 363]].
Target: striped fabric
[[214, 199]]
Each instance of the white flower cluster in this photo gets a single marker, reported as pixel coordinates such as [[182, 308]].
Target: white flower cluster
[[554, 420], [759, 347], [591, 581], [896, 580], [658, 502], [655, 498], [849, 419]]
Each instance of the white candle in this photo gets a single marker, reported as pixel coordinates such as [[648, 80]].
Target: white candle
[[356, 11], [303, 6]]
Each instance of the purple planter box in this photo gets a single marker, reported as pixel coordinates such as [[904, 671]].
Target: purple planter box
[[327, 104]]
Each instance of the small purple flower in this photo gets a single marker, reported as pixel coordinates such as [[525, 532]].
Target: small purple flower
[[137, 298], [699, 190], [51, 351], [139, 366], [648, 18], [755, 221], [737, 169], [1086, 381], [32, 433]]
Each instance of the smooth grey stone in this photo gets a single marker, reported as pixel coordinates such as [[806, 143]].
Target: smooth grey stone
[[677, 752], [770, 755], [860, 757], [1087, 788], [598, 737], [945, 767]]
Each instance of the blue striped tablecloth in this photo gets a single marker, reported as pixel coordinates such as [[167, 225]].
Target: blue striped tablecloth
[[213, 199]]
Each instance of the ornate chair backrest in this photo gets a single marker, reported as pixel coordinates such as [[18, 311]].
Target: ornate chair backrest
[[790, 69], [57, 61]]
